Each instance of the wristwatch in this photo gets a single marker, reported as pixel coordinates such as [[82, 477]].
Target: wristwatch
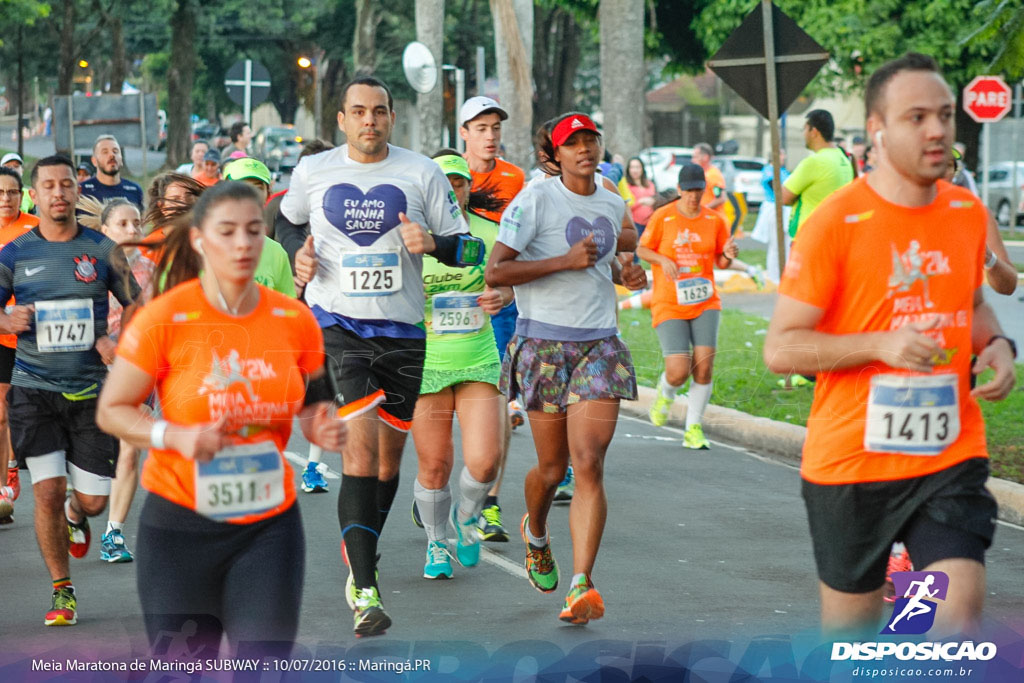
[[1013, 345]]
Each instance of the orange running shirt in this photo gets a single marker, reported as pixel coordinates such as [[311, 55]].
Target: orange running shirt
[[22, 224], [693, 243], [153, 255], [873, 266], [505, 179], [207, 364], [713, 178]]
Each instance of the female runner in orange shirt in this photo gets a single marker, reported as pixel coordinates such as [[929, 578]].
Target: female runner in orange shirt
[[220, 525]]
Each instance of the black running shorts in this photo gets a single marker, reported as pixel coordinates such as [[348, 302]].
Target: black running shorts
[[948, 514], [373, 368], [6, 363], [44, 421]]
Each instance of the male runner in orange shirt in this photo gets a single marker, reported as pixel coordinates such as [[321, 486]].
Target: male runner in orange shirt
[[895, 447]]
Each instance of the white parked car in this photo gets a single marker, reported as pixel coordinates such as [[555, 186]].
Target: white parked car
[[742, 175], [1000, 191], [663, 165]]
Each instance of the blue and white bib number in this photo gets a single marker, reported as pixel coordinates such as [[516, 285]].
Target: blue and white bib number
[[241, 480], [65, 325], [694, 290], [456, 313], [371, 273], [916, 415]]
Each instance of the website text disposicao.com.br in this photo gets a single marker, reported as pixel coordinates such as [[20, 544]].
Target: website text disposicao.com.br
[[886, 672]]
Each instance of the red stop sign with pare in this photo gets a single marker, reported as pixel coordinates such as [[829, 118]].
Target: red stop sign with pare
[[987, 99]]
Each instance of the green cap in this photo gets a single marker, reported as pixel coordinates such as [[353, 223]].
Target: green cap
[[452, 164], [240, 169]]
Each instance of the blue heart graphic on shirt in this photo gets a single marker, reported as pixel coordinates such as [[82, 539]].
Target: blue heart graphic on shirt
[[364, 217], [602, 229]]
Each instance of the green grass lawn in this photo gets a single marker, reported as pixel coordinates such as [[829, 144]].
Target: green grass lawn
[[742, 382]]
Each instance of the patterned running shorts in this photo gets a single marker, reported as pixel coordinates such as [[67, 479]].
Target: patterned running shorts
[[551, 375]]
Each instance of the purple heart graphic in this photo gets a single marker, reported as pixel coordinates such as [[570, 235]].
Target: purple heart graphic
[[364, 217], [602, 228]]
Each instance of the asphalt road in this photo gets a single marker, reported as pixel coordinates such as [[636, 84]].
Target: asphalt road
[[43, 146], [700, 547]]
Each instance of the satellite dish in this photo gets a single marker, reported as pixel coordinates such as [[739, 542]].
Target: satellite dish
[[420, 67]]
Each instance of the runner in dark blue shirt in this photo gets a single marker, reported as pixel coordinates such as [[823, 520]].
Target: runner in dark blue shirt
[[108, 183]]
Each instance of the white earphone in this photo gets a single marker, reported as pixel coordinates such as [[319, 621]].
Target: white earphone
[[199, 245], [879, 138]]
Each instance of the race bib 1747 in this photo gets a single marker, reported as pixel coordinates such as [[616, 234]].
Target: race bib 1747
[[65, 325]]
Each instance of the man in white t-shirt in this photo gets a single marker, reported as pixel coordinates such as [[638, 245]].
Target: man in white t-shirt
[[369, 206]]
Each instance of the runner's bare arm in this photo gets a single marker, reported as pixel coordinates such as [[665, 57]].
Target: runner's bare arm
[[789, 197], [793, 346], [996, 354], [120, 413], [668, 266], [320, 426], [503, 270], [1003, 275], [629, 236]]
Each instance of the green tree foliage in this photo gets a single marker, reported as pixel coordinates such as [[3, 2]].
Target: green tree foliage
[[1004, 26]]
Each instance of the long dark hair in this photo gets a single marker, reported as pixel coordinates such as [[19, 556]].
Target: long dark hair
[[178, 261], [545, 149], [161, 211], [644, 180], [483, 198]]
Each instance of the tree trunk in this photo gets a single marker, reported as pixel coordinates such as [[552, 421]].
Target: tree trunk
[[364, 39], [513, 49], [332, 81], [118, 58], [68, 61], [180, 77], [622, 75], [556, 60], [430, 32]]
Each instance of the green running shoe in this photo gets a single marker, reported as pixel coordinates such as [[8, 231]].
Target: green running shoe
[[659, 411], [64, 611], [541, 568], [694, 438], [370, 617]]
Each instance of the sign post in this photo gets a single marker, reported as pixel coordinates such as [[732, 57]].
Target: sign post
[[248, 84], [768, 60], [986, 99]]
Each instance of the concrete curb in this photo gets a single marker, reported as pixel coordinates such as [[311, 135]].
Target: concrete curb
[[784, 442]]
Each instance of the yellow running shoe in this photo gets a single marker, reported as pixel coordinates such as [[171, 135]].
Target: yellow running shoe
[[694, 438], [659, 411]]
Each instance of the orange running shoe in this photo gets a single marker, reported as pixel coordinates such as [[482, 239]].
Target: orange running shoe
[[897, 563], [583, 603]]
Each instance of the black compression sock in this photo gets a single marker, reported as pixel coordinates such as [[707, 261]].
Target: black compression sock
[[358, 516], [491, 500], [386, 491]]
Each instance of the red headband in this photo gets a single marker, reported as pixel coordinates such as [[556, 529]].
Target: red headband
[[567, 126]]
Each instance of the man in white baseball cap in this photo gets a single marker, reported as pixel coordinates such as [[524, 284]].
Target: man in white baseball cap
[[14, 161]]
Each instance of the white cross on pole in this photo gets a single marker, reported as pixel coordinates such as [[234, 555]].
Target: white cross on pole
[[248, 83]]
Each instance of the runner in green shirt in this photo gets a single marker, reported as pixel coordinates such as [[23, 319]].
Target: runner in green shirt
[[460, 377], [819, 175]]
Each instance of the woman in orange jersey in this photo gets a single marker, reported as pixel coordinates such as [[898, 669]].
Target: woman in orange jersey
[[13, 224], [222, 525], [685, 241]]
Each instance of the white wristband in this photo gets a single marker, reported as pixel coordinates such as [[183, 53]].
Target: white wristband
[[991, 260], [156, 434]]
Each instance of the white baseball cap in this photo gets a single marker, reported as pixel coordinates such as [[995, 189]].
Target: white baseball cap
[[12, 156], [475, 106]]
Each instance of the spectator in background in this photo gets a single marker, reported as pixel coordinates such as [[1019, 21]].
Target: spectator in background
[[714, 191], [199, 150], [765, 229], [85, 171], [643, 192], [241, 136], [108, 183], [859, 152], [968, 177], [209, 173], [14, 162], [819, 175]]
